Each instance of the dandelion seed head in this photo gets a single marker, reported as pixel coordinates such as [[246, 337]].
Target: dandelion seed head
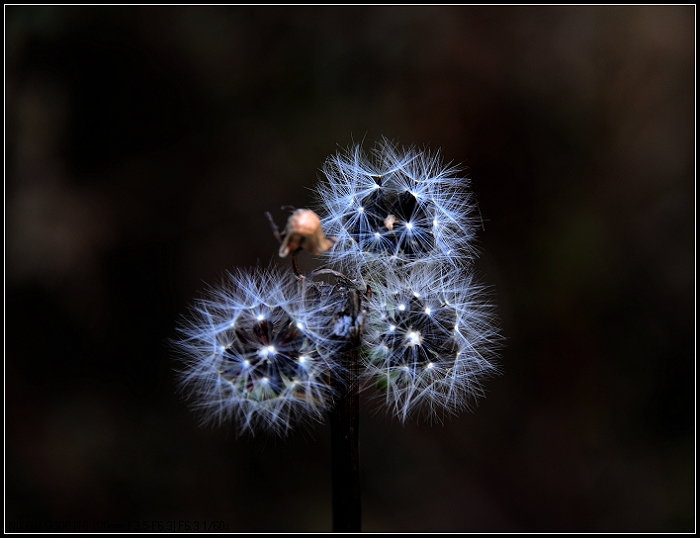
[[417, 189], [422, 366], [248, 380]]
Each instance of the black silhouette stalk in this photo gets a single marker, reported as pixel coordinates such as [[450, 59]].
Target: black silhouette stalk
[[345, 423]]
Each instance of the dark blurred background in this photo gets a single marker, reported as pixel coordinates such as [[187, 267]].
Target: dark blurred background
[[143, 146]]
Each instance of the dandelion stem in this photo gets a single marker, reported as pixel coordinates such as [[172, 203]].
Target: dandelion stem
[[346, 451]]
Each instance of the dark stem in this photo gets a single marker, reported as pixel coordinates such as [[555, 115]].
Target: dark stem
[[346, 450], [295, 265], [275, 230]]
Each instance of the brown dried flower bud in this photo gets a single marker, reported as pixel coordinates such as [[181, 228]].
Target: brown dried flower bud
[[304, 231], [389, 222]]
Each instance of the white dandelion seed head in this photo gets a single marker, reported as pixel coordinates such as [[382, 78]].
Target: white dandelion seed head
[[401, 194], [418, 361], [265, 372]]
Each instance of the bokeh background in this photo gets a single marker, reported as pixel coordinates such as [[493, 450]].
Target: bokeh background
[[143, 146]]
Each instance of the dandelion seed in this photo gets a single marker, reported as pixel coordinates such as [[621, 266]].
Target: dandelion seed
[[414, 339]]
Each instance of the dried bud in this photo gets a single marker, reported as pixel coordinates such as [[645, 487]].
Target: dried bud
[[389, 222], [304, 231]]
